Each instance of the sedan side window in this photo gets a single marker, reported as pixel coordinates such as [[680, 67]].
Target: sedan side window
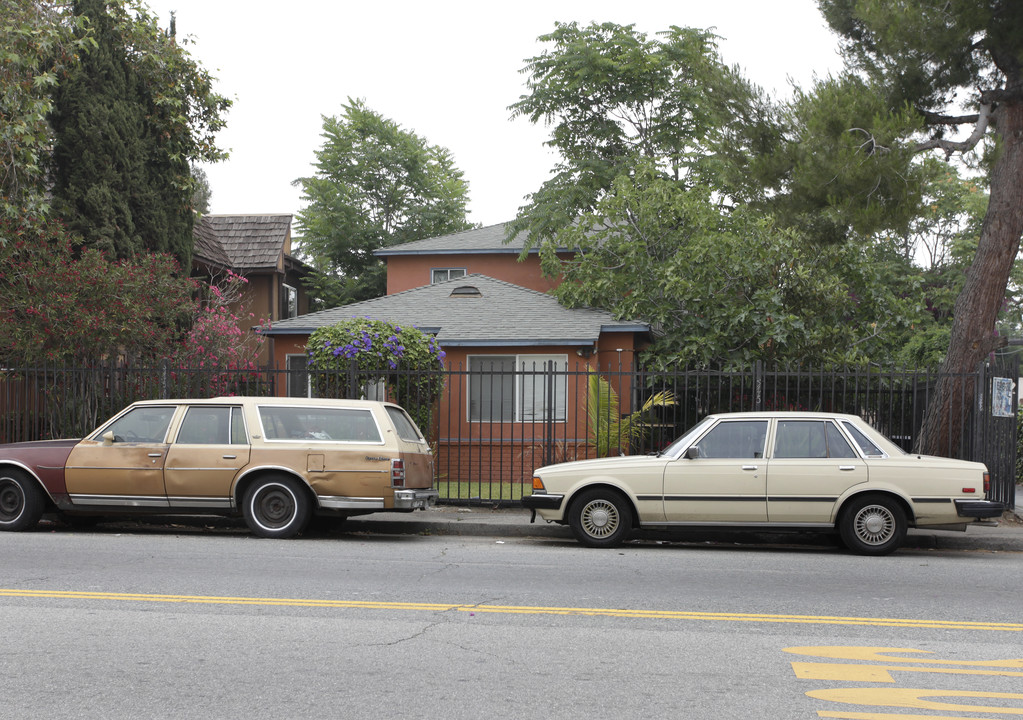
[[810, 439], [740, 439]]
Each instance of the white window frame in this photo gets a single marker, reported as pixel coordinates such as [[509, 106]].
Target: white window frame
[[290, 304], [461, 272], [524, 383]]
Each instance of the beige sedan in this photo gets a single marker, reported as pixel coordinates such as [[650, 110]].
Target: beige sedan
[[767, 471]]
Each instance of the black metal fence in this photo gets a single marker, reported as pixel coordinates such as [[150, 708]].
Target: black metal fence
[[493, 425]]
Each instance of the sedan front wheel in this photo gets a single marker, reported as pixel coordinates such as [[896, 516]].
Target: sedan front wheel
[[600, 518]]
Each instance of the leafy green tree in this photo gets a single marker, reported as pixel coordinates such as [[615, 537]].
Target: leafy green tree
[[729, 288], [376, 184], [614, 97], [39, 44], [941, 68], [127, 122]]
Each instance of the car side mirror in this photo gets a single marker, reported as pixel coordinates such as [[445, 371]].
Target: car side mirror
[[693, 452], [108, 437]]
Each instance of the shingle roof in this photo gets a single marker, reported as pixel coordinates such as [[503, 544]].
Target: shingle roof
[[501, 314], [486, 240], [247, 242]]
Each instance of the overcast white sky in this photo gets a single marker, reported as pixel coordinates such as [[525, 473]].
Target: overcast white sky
[[447, 70]]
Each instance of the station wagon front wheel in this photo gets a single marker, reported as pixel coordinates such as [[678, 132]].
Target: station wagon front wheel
[[21, 501], [276, 507], [600, 518]]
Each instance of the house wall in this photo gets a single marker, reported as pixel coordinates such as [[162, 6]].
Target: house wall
[[405, 272], [491, 451]]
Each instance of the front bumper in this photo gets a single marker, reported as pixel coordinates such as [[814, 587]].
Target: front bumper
[[415, 499], [541, 501], [979, 508]]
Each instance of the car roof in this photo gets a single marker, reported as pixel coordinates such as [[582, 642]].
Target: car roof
[[263, 400], [785, 415]]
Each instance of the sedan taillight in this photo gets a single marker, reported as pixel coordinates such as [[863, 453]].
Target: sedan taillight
[[397, 472]]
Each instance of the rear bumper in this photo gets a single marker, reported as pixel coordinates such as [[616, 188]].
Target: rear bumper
[[415, 499], [979, 508]]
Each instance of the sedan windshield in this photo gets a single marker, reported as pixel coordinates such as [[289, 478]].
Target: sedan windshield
[[693, 432]]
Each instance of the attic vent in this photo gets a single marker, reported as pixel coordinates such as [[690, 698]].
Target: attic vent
[[466, 291]]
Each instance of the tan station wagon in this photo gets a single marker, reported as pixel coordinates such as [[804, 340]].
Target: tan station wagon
[[768, 471], [275, 461]]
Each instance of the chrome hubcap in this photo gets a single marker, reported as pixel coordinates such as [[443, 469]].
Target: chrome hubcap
[[875, 525], [600, 518]]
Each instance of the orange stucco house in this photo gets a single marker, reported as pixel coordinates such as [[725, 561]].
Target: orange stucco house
[[516, 359]]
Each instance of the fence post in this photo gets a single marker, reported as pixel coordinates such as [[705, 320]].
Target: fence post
[[758, 386]]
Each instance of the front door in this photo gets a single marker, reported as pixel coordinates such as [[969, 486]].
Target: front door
[[122, 464], [726, 483]]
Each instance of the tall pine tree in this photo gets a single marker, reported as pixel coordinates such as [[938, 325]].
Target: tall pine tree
[[118, 181]]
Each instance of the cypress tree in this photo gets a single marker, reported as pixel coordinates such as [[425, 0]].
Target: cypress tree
[[113, 173]]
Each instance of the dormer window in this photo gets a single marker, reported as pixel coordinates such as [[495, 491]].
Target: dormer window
[[466, 291], [438, 275]]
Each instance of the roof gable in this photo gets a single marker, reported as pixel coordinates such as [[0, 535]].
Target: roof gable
[[243, 242], [495, 313]]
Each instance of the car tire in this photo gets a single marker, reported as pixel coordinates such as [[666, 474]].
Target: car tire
[[276, 507], [21, 501], [873, 525], [600, 518]]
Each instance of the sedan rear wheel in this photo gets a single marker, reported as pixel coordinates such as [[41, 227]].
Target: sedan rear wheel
[[21, 501], [873, 525], [600, 518], [276, 507]]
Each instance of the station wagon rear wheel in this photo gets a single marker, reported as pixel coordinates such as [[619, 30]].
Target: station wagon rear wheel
[[21, 501], [276, 507], [600, 518], [873, 525]]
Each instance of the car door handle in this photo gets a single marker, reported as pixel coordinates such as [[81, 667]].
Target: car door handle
[[847, 467], [155, 454], [230, 457], [749, 467]]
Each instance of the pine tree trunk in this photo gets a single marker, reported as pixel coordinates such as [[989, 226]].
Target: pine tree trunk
[[981, 299]]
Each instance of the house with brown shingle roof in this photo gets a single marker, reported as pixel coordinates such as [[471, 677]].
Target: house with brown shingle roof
[[257, 247]]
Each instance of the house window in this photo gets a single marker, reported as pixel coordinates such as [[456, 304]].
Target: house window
[[289, 302], [517, 388], [443, 274], [298, 376]]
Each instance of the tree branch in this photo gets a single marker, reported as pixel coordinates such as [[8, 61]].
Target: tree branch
[[951, 146]]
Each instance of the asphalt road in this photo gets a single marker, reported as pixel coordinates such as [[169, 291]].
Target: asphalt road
[[160, 622]]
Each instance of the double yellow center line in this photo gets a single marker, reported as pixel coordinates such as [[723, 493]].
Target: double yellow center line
[[511, 610]]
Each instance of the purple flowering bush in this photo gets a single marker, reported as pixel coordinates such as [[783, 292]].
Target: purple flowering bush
[[364, 352]]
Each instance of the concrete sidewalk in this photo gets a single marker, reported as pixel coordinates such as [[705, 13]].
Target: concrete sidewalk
[[514, 523]]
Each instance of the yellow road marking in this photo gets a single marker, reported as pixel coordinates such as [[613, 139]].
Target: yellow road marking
[[516, 609]]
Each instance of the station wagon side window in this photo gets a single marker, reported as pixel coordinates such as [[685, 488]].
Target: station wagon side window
[[736, 439], [867, 446], [146, 424], [319, 424], [810, 439], [204, 425], [404, 426]]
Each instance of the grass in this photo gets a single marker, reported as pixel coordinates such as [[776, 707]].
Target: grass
[[483, 490]]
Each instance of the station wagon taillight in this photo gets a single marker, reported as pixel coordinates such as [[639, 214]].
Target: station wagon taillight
[[397, 472], [987, 483]]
